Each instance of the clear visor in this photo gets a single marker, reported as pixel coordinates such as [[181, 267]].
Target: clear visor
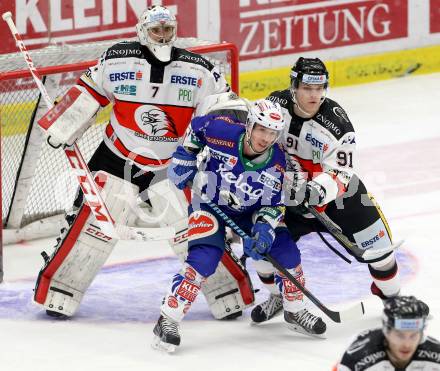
[[161, 33]]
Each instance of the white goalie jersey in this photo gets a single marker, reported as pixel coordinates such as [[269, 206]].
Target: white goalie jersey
[[153, 102]]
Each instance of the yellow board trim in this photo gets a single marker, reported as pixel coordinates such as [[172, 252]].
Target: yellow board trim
[[349, 71]]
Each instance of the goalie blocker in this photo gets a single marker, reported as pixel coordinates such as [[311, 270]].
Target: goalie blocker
[[229, 290], [67, 121], [82, 252]]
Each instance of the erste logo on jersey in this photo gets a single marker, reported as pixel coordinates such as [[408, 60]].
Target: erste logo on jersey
[[226, 158], [121, 76], [186, 80], [270, 181], [152, 120], [316, 143]]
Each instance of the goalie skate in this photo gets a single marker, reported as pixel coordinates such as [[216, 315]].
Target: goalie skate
[[268, 309], [166, 335], [305, 323]]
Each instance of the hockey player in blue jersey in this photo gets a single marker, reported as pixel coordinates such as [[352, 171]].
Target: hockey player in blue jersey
[[242, 173]]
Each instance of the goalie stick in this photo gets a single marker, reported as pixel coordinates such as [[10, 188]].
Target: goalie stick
[[352, 313], [90, 189], [336, 232]]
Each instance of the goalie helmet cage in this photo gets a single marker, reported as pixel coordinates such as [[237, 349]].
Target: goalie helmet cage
[[37, 185]]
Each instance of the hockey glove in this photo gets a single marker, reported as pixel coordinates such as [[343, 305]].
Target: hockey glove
[[263, 236], [183, 167]]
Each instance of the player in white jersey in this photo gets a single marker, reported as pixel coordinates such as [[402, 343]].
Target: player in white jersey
[[320, 145], [401, 343], [154, 88]]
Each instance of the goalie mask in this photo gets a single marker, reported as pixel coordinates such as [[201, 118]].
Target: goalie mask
[[157, 30], [267, 114]]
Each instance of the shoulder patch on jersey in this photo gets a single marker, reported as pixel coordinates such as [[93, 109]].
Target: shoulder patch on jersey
[[333, 117], [283, 97], [429, 350], [220, 142], [125, 49], [184, 55]]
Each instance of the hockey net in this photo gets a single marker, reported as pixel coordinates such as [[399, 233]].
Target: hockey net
[[37, 185]]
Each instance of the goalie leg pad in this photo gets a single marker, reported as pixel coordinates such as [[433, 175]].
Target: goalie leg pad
[[229, 290], [71, 269]]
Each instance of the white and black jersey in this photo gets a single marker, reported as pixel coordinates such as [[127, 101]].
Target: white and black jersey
[[323, 145], [368, 353], [153, 101]]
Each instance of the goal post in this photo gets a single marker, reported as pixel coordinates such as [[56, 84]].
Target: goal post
[[37, 186]]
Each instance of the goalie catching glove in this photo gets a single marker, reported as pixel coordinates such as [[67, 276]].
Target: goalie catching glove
[[67, 121]]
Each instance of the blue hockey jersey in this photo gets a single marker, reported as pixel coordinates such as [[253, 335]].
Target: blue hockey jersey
[[236, 184]]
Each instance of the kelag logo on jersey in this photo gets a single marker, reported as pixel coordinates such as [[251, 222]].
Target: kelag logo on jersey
[[223, 157], [239, 182], [125, 89], [121, 76], [186, 80], [270, 181]]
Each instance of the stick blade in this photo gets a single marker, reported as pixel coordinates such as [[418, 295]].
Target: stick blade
[[353, 313]]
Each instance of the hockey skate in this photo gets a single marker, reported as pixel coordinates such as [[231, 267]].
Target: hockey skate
[[167, 336], [267, 309], [305, 322]]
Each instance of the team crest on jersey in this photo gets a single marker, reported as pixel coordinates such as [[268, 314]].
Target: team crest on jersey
[[201, 224], [154, 121]]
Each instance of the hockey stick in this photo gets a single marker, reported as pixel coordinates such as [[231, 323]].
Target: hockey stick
[[336, 232], [353, 313], [90, 189], [151, 234]]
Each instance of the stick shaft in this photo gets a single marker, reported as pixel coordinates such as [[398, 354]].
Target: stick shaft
[[90, 189]]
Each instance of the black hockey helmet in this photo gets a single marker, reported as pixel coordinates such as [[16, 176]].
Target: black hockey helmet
[[308, 71], [405, 313]]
